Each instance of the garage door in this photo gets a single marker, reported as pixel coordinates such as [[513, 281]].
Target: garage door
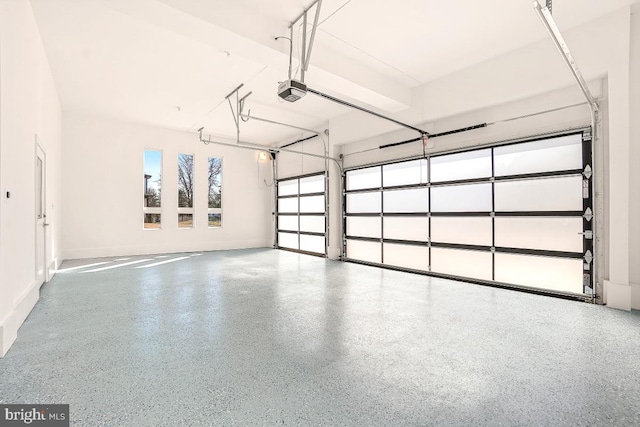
[[301, 214], [517, 214]]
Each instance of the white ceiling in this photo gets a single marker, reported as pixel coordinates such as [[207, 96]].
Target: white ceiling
[[138, 60]]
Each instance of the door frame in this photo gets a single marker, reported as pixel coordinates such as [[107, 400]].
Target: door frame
[[41, 221]]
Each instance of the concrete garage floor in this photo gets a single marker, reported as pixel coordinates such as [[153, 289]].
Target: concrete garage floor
[[267, 337]]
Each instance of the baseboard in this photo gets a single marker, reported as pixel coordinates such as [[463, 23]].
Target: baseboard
[[81, 253], [10, 325], [52, 269], [618, 295], [635, 296]]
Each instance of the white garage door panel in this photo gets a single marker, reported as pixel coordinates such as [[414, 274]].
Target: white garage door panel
[[461, 263], [467, 231], [364, 178], [364, 202], [288, 240], [547, 194], [461, 198], [553, 234], [288, 223], [555, 154], [405, 173], [406, 228], [407, 256], [559, 274], [364, 251], [312, 224], [399, 201], [472, 164], [362, 226]]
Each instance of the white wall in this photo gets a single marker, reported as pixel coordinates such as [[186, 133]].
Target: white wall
[[525, 81], [634, 158], [103, 185], [29, 106]]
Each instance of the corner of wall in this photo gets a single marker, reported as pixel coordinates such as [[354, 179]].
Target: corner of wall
[[635, 296], [619, 295]]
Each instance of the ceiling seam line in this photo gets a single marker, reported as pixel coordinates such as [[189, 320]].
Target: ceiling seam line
[[373, 57]]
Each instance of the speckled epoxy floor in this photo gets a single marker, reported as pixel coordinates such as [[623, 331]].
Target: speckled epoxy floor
[[266, 337]]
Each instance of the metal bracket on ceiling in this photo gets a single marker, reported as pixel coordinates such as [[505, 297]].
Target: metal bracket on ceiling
[[306, 48], [237, 114]]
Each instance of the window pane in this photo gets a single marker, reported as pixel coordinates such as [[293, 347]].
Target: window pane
[[152, 178], [312, 204], [363, 178], [554, 234], [363, 202], [185, 180], [312, 184], [288, 240], [415, 257], [362, 226], [288, 188], [405, 173], [469, 231], [408, 228], [39, 192], [461, 263], [363, 251], [556, 154], [288, 205], [185, 220], [312, 224], [548, 194], [461, 198], [215, 182], [472, 164], [312, 243], [215, 220], [414, 200], [559, 274], [289, 223], [152, 221]]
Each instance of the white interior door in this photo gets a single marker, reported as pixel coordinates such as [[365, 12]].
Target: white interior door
[[41, 216]]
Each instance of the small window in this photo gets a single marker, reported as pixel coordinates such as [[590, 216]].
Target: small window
[[185, 190], [152, 189], [215, 192]]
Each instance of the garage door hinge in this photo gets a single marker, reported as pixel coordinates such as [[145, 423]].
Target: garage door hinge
[[588, 257], [586, 135], [588, 214], [587, 172], [588, 234]]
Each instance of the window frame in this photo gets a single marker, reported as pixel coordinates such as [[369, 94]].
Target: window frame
[[151, 210], [186, 210], [216, 210]]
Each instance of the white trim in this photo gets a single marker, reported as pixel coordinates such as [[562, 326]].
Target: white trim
[[635, 296], [9, 325], [618, 295]]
